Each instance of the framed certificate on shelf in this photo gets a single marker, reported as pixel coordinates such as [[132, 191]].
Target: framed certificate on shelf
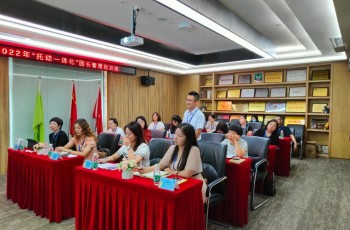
[[233, 93], [258, 77], [278, 92], [226, 80], [294, 120], [262, 92], [275, 107], [296, 107], [296, 75], [320, 92], [318, 107], [256, 106], [224, 105], [247, 92], [244, 79], [297, 91], [271, 77], [221, 94], [320, 74], [239, 107]]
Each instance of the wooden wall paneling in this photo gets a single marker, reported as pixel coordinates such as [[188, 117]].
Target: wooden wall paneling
[[126, 92], [340, 130], [4, 113], [186, 84]]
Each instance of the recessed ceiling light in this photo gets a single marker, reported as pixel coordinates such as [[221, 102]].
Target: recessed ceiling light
[[162, 19]]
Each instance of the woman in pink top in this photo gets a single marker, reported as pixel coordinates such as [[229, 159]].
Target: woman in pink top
[[84, 141]]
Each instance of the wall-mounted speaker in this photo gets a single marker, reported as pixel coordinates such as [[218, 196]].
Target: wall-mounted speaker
[[147, 80]]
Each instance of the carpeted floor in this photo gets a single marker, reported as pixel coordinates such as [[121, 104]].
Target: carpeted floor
[[315, 196]]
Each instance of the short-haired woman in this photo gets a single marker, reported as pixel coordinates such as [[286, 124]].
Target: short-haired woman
[[211, 124], [236, 146], [113, 127], [134, 146], [156, 122]]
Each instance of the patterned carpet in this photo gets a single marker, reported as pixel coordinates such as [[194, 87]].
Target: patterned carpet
[[315, 196]]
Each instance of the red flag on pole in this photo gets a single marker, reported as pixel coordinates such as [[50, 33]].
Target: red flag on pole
[[97, 114], [73, 111]]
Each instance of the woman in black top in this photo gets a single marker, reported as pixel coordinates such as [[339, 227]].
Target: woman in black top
[[270, 131], [58, 137]]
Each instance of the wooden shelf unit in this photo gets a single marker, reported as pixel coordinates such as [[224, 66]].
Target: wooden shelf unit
[[319, 135]]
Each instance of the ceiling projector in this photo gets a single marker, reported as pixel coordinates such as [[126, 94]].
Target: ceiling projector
[[131, 40]]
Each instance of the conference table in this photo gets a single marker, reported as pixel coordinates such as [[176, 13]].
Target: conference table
[[282, 167], [234, 210], [38, 183], [106, 201]]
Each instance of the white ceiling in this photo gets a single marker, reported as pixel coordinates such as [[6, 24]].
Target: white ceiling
[[292, 31]]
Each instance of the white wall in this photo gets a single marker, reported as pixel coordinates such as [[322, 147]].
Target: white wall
[[56, 90]]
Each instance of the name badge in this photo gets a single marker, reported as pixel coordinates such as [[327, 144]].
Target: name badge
[[87, 164], [167, 184], [54, 156]]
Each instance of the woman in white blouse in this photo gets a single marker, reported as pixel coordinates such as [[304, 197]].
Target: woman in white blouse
[[156, 122], [113, 127], [211, 124]]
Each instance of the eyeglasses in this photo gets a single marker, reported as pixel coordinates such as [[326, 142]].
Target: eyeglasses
[[189, 100]]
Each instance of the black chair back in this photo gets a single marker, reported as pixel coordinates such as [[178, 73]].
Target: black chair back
[[214, 137], [255, 125], [257, 148], [213, 156], [167, 126], [158, 133], [108, 142], [298, 132], [31, 143], [235, 122], [158, 147]]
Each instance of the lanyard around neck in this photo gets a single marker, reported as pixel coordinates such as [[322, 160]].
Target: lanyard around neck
[[189, 121]]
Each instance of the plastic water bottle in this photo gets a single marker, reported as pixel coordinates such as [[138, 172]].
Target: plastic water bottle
[[51, 148], [156, 175], [168, 133], [282, 134], [95, 161]]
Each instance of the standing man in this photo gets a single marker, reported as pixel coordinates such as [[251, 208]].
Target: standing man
[[286, 131], [193, 115]]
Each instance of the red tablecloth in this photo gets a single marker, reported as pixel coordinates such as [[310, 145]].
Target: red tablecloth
[[283, 157], [105, 201], [234, 209], [271, 159], [42, 185]]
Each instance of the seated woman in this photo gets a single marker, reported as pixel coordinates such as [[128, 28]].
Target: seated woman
[[156, 122], [211, 124], [269, 131], [221, 128], [254, 118], [58, 137], [146, 132], [175, 121], [183, 158], [236, 146], [84, 141], [247, 130], [134, 146], [113, 127]]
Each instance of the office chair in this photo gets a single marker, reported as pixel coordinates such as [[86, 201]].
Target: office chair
[[158, 147], [214, 137], [298, 133], [255, 125], [213, 156], [158, 133], [257, 150], [108, 142], [235, 122]]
